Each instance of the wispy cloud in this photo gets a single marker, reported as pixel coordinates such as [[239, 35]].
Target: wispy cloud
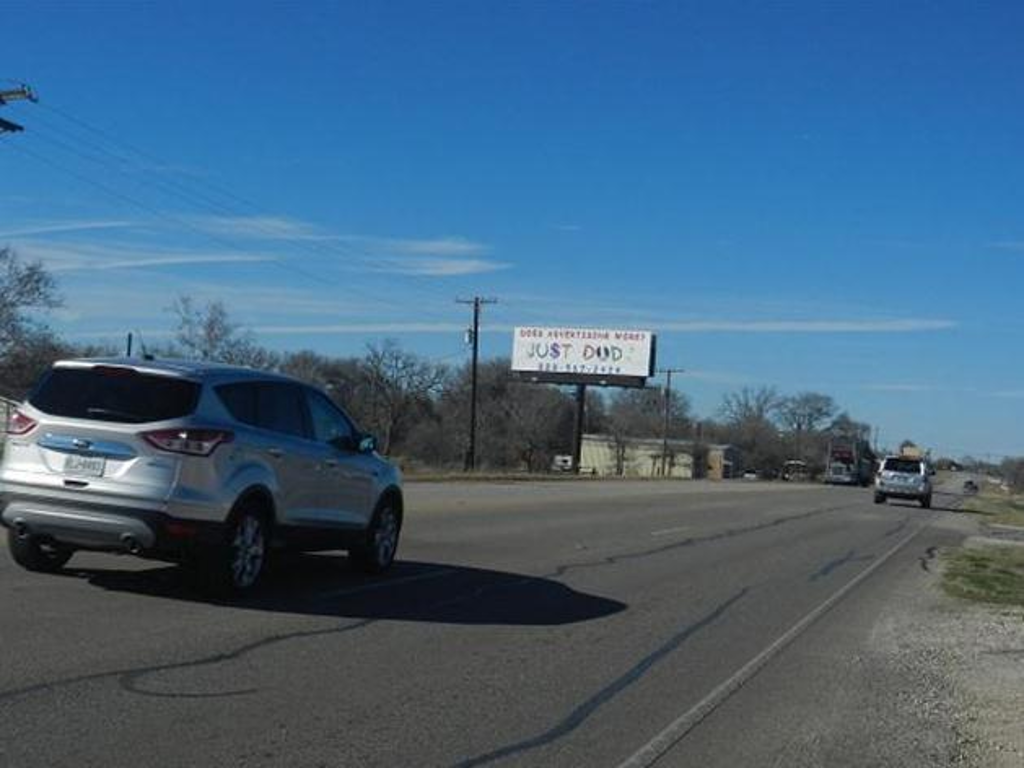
[[906, 325], [716, 377], [90, 257], [259, 227], [1008, 245], [907, 388], [441, 267], [287, 228], [63, 227], [332, 328], [440, 246]]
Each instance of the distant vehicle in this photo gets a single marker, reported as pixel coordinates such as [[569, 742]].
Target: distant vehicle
[[901, 477], [795, 471], [970, 487], [205, 464], [750, 475], [849, 462], [561, 463]]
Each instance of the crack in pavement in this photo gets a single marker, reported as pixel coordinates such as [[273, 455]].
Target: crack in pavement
[[693, 540], [831, 565], [583, 711]]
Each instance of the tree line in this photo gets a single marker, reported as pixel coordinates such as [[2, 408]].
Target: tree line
[[419, 408]]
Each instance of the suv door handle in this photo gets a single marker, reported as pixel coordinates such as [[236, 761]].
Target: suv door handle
[[330, 463], [277, 453]]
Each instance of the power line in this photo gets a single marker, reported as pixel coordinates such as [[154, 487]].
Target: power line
[[193, 228], [181, 191], [664, 427]]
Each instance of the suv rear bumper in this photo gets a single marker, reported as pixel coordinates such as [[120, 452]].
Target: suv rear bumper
[[902, 492], [106, 528]]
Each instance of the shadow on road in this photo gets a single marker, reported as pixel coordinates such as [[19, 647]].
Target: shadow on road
[[941, 502], [325, 585]]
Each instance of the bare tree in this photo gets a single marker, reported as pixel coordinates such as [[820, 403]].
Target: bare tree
[[399, 385], [23, 287], [748, 416], [750, 405], [26, 345], [207, 333], [806, 412]]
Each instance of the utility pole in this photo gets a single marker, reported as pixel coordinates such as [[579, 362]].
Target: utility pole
[[474, 335], [664, 427], [22, 92]]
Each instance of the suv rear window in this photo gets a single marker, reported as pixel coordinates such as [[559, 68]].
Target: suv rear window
[[903, 465], [108, 393]]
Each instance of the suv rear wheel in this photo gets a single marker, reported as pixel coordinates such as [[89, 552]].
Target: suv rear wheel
[[236, 566], [35, 554], [376, 552]]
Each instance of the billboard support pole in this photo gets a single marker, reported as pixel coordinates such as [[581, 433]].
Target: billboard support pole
[[577, 437]]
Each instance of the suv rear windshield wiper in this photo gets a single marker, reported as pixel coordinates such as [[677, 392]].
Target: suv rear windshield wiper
[[133, 418]]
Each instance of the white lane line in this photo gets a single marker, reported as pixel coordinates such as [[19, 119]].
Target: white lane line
[[654, 749], [382, 584], [667, 531]]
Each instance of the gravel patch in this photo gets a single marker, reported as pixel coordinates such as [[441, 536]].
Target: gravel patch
[[969, 659]]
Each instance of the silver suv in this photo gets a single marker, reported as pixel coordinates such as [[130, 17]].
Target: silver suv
[[901, 477], [210, 465]]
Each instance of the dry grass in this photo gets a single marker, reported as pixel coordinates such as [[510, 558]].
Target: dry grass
[[993, 574], [996, 506]]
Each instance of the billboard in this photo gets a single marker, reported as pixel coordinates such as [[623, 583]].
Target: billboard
[[583, 355]]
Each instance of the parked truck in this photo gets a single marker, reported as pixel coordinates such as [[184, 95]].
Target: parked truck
[[849, 462]]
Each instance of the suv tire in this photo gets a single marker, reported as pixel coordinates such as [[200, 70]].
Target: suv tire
[[33, 554], [926, 501], [879, 498], [235, 567], [376, 552]]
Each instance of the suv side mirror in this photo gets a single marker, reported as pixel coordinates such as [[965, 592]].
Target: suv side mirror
[[367, 444]]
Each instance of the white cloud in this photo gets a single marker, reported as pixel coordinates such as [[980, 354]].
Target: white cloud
[[1008, 245], [286, 228], [441, 267], [61, 227], [259, 227], [908, 325], [338, 328], [442, 246], [716, 377], [909, 388], [88, 257]]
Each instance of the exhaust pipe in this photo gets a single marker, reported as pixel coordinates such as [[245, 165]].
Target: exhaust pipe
[[131, 544]]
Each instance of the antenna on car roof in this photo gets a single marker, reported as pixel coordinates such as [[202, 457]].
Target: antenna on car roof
[[146, 355]]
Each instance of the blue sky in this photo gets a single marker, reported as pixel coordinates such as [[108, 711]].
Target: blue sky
[[817, 196]]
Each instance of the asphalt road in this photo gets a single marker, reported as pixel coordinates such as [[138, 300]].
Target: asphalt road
[[541, 624]]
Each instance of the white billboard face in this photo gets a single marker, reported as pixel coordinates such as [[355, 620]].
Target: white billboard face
[[586, 351]]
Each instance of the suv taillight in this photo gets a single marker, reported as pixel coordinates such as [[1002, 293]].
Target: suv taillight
[[194, 442], [19, 424]]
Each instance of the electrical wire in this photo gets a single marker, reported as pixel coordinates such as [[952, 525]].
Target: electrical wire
[[258, 216], [185, 224]]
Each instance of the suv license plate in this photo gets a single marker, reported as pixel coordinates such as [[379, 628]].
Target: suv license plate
[[87, 466]]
